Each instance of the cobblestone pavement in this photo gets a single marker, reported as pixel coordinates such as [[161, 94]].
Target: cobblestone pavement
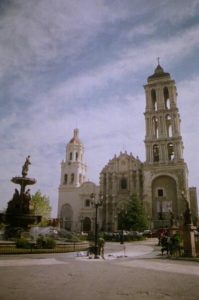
[[131, 271]]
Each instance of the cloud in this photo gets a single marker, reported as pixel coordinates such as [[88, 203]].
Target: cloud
[[128, 62], [189, 107], [35, 34], [177, 11]]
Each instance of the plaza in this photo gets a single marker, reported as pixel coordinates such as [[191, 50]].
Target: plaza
[[130, 271]]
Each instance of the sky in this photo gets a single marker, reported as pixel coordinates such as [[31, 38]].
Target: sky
[[83, 64]]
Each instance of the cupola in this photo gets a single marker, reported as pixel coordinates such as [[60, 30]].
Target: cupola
[[75, 139], [158, 74]]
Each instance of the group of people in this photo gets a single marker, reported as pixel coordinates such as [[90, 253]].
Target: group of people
[[100, 249], [170, 243]]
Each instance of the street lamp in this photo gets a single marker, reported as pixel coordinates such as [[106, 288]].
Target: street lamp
[[81, 223], [122, 214], [96, 201], [149, 221]]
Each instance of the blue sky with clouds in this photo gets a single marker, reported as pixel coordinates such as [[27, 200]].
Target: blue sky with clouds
[[68, 64]]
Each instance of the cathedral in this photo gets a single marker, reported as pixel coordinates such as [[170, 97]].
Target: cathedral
[[160, 183]]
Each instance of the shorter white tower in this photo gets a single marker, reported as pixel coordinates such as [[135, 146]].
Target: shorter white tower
[[73, 170], [73, 174]]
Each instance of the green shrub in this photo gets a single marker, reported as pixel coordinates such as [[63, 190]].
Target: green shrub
[[50, 243], [23, 243], [45, 243], [2, 225]]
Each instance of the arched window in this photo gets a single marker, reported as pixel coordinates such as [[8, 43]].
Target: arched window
[[71, 155], [87, 203], [156, 153], [80, 178], [65, 178], [167, 103], [168, 126], [76, 155], [72, 177], [154, 100], [155, 126], [170, 149], [123, 184]]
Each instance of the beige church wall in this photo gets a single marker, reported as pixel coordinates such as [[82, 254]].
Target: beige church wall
[[71, 198], [88, 187], [147, 194], [167, 202]]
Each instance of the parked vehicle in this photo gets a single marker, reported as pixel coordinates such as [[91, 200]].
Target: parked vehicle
[[147, 233], [135, 233]]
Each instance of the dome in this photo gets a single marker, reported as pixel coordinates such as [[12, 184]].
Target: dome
[[158, 74], [75, 139]]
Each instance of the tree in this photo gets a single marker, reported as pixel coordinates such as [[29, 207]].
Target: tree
[[41, 206], [135, 217]]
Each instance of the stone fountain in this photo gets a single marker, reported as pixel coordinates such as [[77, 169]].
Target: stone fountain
[[19, 213], [188, 231]]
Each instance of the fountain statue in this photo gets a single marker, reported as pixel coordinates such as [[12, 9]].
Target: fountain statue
[[19, 213], [188, 230]]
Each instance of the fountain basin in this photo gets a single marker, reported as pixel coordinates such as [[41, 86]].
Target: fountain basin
[[23, 181], [22, 220]]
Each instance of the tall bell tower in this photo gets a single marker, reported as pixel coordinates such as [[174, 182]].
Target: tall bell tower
[[165, 172]]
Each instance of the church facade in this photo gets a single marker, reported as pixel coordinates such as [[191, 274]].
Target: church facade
[[160, 183], [119, 180]]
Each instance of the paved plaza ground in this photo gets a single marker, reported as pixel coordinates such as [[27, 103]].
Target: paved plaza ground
[[133, 271]]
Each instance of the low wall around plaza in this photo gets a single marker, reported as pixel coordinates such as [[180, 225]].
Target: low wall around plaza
[[10, 248]]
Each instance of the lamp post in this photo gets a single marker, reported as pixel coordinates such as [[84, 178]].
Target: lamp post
[[123, 214], [160, 214], [96, 201], [149, 221], [81, 223]]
